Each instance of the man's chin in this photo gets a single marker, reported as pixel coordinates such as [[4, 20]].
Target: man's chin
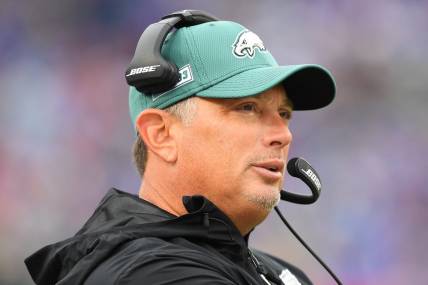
[[265, 201]]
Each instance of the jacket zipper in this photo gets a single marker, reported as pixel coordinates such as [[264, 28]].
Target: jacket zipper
[[258, 266], [261, 270]]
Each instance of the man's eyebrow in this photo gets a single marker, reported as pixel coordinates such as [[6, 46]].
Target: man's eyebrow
[[286, 103]]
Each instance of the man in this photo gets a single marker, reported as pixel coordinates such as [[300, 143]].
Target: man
[[211, 153]]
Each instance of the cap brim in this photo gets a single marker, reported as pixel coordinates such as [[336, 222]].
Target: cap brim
[[308, 86]]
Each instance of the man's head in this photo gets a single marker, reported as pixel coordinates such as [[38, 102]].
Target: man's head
[[222, 131]]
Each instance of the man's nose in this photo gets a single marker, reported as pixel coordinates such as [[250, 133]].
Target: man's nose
[[277, 133]]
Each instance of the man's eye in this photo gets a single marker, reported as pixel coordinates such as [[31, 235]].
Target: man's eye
[[249, 107], [285, 114]]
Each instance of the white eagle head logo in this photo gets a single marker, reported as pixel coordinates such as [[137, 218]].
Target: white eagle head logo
[[246, 43]]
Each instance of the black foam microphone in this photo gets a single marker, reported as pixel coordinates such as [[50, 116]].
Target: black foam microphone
[[300, 168]]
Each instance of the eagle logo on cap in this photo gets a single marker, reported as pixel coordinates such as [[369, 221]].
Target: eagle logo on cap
[[246, 44]]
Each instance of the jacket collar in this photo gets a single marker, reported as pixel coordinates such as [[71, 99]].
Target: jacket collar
[[119, 209], [122, 209]]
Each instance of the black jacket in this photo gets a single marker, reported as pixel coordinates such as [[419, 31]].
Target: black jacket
[[130, 241]]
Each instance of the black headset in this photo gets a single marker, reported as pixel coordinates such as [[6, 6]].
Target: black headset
[[148, 71]]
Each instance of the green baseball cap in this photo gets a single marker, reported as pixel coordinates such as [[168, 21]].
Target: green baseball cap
[[223, 59]]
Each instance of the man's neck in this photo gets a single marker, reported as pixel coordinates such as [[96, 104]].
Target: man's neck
[[165, 199]]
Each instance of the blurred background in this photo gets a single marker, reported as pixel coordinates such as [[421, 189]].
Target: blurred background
[[66, 135]]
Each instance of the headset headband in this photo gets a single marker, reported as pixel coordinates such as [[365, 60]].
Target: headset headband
[[148, 71]]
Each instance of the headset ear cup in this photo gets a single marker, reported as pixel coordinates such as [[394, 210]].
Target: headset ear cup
[[172, 77], [149, 72], [166, 79]]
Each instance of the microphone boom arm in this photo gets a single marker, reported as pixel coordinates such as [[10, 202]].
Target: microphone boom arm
[[300, 168]]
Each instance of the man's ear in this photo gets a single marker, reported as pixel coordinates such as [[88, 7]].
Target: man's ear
[[154, 127]]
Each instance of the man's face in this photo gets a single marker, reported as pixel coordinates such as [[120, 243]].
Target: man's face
[[234, 150]]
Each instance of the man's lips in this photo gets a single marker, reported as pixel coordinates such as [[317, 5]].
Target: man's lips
[[271, 169], [274, 165]]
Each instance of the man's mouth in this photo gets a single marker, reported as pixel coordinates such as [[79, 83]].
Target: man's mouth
[[274, 165], [271, 169]]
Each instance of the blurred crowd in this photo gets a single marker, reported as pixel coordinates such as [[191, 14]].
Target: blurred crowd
[[66, 135]]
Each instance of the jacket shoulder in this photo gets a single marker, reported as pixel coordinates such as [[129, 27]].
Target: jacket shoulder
[[156, 261]]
